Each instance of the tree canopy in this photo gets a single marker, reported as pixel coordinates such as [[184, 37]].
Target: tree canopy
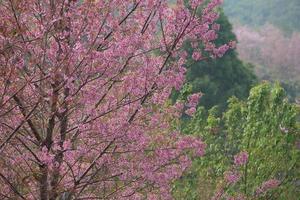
[[264, 128], [84, 97]]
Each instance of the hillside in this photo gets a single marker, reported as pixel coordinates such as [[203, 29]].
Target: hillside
[[268, 33], [284, 14]]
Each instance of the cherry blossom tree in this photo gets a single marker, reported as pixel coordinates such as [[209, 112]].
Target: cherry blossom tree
[[84, 87]]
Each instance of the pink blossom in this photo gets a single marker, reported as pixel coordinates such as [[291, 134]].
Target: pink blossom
[[230, 198], [218, 194], [219, 52], [216, 27], [210, 35], [190, 111], [183, 55], [191, 143], [179, 106], [267, 185], [195, 3], [241, 158], [232, 177], [193, 99], [196, 55], [45, 156]]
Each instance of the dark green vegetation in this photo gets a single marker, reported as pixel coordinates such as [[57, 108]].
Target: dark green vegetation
[[281, 13], [221, 78]]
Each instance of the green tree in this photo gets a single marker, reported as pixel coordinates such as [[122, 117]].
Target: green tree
[[264, 125], [221, 78]]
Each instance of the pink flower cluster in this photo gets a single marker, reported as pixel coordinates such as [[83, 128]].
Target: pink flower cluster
[[211, 35], [192, 103], [45, 156], [192, 143], [218, 195], [267, 185], [196, 55], [193, 99], [195, 3], [241, 158], [190, 111], [219, 52], [232, 177]]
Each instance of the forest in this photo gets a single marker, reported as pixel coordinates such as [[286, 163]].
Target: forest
[[149, 100], [269, 35]]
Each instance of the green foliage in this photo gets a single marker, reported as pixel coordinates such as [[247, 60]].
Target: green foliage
[[265, 125], [281, 13], [221, 78]]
